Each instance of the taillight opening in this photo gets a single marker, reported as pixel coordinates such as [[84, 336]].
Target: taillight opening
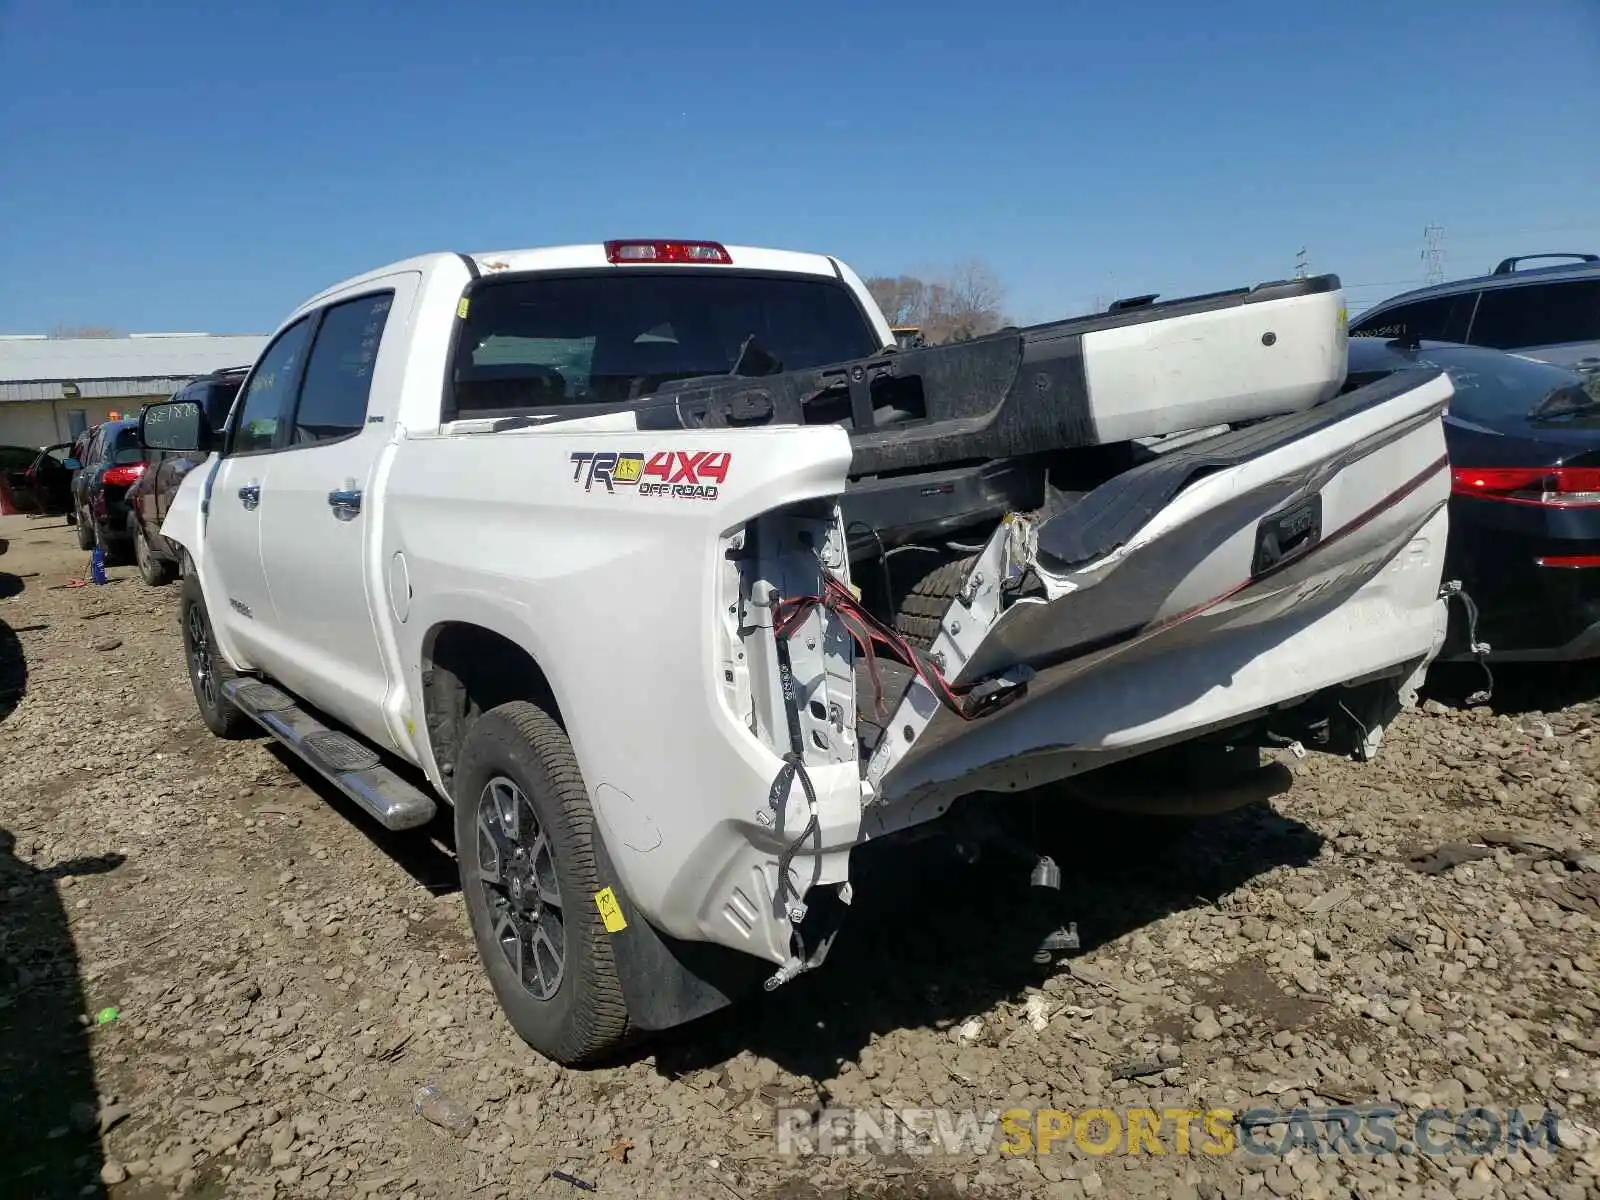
[[1554, 487], [653, 250], [1569, 561], [123, 476]]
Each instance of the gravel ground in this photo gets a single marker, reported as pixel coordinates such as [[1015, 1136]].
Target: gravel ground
[[285, 977]]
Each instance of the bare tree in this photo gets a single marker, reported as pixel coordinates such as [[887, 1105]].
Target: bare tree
[[903, 298], [954, 304], [84, 331]]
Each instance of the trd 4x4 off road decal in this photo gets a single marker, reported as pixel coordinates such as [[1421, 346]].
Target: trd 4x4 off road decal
[[677, 474]]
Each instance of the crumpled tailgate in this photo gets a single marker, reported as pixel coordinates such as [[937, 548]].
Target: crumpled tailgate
[[1279, 522]]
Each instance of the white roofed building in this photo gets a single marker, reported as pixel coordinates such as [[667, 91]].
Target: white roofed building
[[52, 388]]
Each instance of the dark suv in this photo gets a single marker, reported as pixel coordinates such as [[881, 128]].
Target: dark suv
[[1548, 313], [149, 498], [112, 460]]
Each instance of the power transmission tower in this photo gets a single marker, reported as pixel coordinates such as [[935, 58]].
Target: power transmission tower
[[1301, 265], [1433, 253]]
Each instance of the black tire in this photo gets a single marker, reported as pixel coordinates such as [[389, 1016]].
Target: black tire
[[157, 572], [578, 1016], [929, 598], [86, 534], [207, 670]]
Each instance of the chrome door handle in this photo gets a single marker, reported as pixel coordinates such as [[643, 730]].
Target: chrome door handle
[[345, 502], [250, 495]]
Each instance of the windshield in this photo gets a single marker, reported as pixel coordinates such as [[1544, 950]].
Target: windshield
[[1491, 386], [543, 342]]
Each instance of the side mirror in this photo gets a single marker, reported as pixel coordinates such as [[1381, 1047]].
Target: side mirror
[[175, 425], [72, 464]]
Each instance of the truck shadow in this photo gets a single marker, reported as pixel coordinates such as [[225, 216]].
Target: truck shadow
[[931, 942], [426, 854], [50, 1139], [13, 671]]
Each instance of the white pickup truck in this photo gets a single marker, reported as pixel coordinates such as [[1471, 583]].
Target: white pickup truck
[[607, 547]]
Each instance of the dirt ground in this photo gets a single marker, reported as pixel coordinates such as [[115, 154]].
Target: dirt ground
[[218, 980]]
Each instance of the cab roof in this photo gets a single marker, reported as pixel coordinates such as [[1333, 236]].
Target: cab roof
[[594, 254]]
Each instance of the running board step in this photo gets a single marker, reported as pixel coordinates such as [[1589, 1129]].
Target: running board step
[[352, 767]]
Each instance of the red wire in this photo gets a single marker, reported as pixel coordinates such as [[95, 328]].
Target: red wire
[[868, 632]]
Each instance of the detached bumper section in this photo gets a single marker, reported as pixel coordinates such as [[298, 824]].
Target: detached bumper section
[[1140, 371]]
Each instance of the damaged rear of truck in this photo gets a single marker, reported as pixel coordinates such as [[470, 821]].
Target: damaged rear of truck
[[685, 581]]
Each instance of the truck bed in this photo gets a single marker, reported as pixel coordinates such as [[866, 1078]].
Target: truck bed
[[1141, 370]]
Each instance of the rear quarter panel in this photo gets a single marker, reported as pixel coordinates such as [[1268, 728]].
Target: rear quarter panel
[[613, 593]]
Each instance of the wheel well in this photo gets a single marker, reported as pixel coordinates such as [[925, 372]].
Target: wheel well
[[467, 670]]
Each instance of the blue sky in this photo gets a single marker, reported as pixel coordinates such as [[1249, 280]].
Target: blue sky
[[205, 167]]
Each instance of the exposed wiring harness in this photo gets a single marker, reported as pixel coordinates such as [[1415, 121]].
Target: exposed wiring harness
[[1480, 650], [869, 634]]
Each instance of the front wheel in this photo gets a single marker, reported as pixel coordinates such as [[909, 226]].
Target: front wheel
[[207, 669], [525, 843]]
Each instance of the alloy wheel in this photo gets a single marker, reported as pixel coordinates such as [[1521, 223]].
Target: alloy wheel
[[517, 871], [200, 665]]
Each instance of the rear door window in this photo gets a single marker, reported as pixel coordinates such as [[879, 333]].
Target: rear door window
[[333, 399], [126, 447], [1442, 319], [1538, 314]]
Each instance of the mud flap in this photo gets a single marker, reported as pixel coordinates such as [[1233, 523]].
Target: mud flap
[[666, 981]]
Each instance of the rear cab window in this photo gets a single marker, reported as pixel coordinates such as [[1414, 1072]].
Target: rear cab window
[[578, 343], [125, 447]]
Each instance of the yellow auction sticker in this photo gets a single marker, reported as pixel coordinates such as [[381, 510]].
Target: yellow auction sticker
[[610, 911], [462, 307]]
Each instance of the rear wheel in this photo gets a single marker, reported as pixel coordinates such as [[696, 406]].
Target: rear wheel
[[207, 669], [525, 842], [86, 540], [153, 570]]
